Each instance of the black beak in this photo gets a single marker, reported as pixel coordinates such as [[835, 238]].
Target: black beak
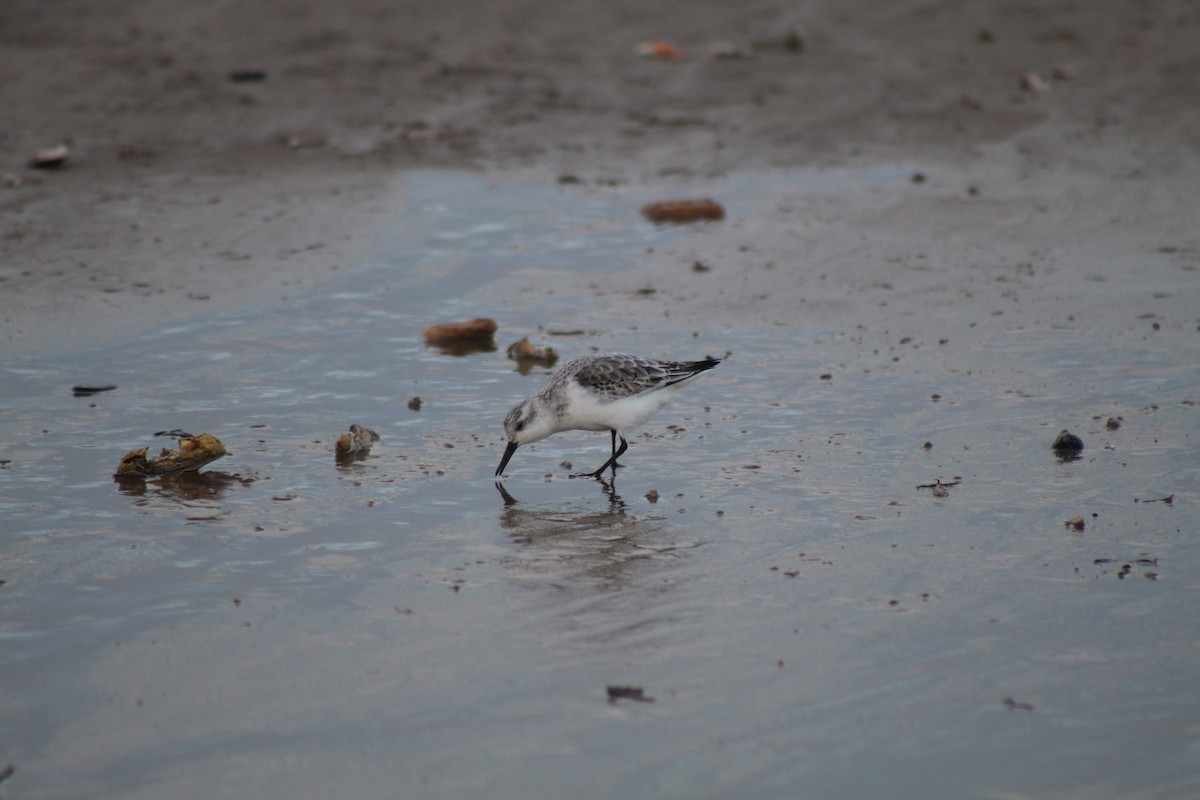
[[512, 448]]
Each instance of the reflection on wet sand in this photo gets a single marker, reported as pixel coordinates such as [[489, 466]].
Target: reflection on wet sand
[[186, 487], [577, 542]]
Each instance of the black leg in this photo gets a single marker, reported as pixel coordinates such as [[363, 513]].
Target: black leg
[[612, 462]]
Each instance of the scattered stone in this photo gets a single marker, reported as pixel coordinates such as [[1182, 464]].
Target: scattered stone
[[1076, 523], [652, 495], [414, 403], [50, 158], [659, 49], [357, 442], [1067, 446], [1113, 423], [471, 329], [683, 211]]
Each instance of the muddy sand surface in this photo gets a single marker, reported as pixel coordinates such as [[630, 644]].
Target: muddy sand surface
[[187, 189], [951, 231]]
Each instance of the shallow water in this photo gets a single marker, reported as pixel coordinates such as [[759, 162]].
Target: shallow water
[[806, 619]]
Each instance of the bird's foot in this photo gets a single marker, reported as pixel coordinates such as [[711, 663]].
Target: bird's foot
[[598, 474]]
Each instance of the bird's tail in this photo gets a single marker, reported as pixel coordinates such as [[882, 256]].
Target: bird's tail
[[683, 370]]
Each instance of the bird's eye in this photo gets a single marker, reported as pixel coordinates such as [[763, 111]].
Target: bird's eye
[[520, 426]]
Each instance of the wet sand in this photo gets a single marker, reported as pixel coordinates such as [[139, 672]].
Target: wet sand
[[189, 192]]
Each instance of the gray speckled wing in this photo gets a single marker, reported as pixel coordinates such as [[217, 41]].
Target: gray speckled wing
[[618, 375]]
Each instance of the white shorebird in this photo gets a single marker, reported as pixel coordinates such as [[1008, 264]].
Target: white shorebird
[[611, 392]]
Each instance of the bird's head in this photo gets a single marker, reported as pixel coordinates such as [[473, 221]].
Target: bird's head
[[527, 422]]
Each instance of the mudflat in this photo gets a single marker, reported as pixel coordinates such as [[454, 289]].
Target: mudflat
[[226, 156]]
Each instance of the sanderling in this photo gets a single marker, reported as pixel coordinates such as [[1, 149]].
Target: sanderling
[[608, 392]]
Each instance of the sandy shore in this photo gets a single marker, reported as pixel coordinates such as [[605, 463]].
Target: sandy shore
[[953, 230], [191, 188]]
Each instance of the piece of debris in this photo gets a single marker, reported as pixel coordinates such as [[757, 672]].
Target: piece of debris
[[51, 157], [683, 211], [1169, 500], [7, 772], [1075, 523], [248, 75], [88, 391], [1127, 567], [1013, 705], [357, 442], [524, 350], [193, 453], [1067, 446], [1113, 423], [478, 328], [652, 495], [938, 488], [414, 403], [637, 693], [724, 50], [659, 49]]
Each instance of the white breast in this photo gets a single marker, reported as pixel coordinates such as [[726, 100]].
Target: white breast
[[591, 412]]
